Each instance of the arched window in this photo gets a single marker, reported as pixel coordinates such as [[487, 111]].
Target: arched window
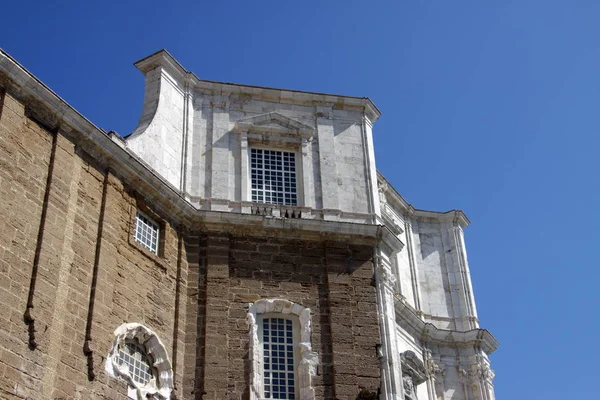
[[140, 359], [283, 362]]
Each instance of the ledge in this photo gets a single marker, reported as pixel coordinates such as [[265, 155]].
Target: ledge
[[407, 318], [457, 216]]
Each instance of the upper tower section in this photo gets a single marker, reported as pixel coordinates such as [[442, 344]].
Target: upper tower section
[[249, 149]]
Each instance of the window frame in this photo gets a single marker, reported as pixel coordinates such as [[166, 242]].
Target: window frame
[[275, 131], [146, 361], [306, 364], [161, 381], [297, 175], [295, 343], [151, 221]]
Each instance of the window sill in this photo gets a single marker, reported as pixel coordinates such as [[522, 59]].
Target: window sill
[[161, 262]]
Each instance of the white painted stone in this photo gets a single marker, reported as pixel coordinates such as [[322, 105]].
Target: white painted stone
[[187, 134]]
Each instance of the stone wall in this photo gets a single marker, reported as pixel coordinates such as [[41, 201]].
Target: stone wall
[[71, 273], [333, 279]]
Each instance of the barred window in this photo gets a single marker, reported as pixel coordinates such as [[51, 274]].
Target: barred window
[[146, 232], [282, 368], [273, 174], [139, 358], [133, 356], [278, 359]]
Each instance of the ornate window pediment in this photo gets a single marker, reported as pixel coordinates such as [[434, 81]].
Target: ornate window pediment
[[413, 374], [274, 123]]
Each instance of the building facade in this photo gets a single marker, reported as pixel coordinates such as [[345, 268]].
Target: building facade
[[239, 244]]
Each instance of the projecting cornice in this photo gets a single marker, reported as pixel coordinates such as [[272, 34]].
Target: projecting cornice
[[407, 318], [398, 202], [165, 60]]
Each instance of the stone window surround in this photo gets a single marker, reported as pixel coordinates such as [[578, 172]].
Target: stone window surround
[[161, 384], [274, 131], [309, 359]]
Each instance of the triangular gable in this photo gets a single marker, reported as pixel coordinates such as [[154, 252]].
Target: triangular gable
[[274, 122]]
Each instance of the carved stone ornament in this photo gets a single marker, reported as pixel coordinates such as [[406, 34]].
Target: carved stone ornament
[[413, 373], [407, 383], [474, 373], [308, 359], [160, 384], [385, 274], [432, 368]]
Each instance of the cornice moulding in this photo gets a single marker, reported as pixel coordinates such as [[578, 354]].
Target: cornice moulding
[[407, 318], [164, 59], [454, 216]]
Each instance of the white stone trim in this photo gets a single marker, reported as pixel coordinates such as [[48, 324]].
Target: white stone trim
[[309, 359], [274, 123], [161, 384]]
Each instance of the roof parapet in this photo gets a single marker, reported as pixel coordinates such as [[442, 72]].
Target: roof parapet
[[165, 60]]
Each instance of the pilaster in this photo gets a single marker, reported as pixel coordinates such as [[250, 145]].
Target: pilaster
[[391, 372], [60, 216], [221, 174], [216, 368], [327, 160]]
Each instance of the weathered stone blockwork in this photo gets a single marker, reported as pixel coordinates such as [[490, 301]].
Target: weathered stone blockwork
[[68, 264], [334, 280], [68, 222]]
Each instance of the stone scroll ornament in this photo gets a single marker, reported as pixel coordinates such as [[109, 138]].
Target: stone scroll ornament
[[160, 385], [309, 359]]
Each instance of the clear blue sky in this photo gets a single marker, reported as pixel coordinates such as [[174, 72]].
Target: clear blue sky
[[490, 108]]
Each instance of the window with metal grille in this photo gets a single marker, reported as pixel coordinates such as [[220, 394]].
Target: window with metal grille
[[146, 232], [273, 174], [278, 359], [134, 358]]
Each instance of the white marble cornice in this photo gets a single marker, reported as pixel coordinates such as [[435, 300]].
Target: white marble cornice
[[399, 203], [407, 319]]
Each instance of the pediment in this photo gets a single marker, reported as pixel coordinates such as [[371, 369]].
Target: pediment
[[274, 122]]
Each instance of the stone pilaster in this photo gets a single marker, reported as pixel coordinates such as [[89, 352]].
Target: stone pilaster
[[216, 371]]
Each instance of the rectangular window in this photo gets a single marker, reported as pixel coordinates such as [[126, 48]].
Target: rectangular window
[[146, 232], [273, 174], [278, 357]]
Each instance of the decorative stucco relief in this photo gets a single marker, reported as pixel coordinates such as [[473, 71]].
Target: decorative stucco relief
[[161, 383], [309, 359]]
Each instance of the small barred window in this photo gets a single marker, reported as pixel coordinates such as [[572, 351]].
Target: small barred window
[[273, 176], [134, 358], [146, 232]]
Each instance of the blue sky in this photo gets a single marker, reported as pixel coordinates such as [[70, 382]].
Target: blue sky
[[490, 107]]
